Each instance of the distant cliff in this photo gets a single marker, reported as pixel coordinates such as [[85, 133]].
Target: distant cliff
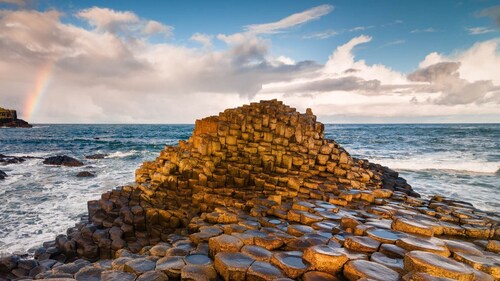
[[8, 118]]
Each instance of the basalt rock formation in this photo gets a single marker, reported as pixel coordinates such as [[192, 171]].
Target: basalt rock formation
[[8, 118], [262, 150], [257, 193]]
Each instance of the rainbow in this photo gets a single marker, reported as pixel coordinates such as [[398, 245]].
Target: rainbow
[[42, 81]]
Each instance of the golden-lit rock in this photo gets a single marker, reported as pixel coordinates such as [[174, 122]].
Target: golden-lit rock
[[437, 265]]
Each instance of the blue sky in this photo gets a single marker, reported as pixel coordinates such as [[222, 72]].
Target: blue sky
[[404, 31], [354, 61]]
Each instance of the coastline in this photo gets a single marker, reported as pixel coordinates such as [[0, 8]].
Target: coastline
[[352, 209]]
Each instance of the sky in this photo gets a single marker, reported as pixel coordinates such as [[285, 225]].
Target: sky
[[164, 62]]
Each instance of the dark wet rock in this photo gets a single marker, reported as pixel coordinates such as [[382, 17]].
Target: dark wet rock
[[160, 249], [5, 159], [139, 266], [62, 161], [119, 263], [116, 275], [193, 272], [96, 156], [198, 259], [85, 174], [232, 266], [70, 268], [437, 265], [354, 270], [318, 276], [89, 273], [153, 276], [3, 175], [263, 271], [171, 266], [7, 264]]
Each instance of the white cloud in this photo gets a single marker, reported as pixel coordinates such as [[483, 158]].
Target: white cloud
[[426, 30], [290, 21], [153, 27], [395, 42], [124, 23], [110, 72], [361, 28], [479, 30], [204, 39], [321, 34]]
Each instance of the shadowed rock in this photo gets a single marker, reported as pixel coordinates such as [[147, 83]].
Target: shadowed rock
[[62, 161]]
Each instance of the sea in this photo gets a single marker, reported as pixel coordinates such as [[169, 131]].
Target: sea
[[38, 201]]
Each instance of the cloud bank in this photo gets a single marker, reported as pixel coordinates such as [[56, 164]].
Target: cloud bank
[[117, 67]]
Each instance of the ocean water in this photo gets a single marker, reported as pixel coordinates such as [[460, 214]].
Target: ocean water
[[37, 201]]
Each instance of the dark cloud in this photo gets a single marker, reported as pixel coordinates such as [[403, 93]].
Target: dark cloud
[[348, 84], [444, 77], [435, 72], [492, 12]]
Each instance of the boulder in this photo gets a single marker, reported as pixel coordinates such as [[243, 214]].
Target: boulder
[[62, 161], [85, 174]]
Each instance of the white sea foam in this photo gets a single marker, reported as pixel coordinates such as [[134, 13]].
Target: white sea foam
[[420, 164], [122, 154]]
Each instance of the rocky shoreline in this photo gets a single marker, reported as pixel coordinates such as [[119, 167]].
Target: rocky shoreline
[[8, 118], [257, 193]]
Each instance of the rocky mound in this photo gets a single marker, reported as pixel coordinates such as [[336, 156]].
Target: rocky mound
[[257, 193], [8, 118]]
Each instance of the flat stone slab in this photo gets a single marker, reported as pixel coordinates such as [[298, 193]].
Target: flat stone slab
[[224, 243], [394, 264], [263, 271], [171, 266], [292, 265], [385, 235], [431, 244], [437, 265], [361, 244], [139, 266], [318, 276], [89, 273], [325, 258], [153, 276], [256, 252], [232, 266], [193, 272], [198, 259], [358, 269], [116, 275], [412, 226]]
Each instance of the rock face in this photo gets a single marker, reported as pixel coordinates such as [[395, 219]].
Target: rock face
[[8, 118], [257, 193]]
